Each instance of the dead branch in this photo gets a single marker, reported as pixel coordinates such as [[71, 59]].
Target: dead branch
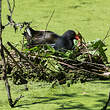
[[80, 69], [4, 65], [106, 104], [21, 55], [90, 63], [8, 93], [9, 7], [9, 17], [11, 103], [17, 99], [14, 61]]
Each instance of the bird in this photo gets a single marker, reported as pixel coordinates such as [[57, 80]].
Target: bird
[[40, 37], [65, 42]]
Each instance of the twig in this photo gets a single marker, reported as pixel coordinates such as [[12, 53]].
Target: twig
[[4, 63], [80, 69], [8, 93], [21, 55], [106, 104], [48, 22], [7, 86], [9, 7], [9, 17], [8, 53], [90, 63], [87, 51], [107, 35], [17, 99]]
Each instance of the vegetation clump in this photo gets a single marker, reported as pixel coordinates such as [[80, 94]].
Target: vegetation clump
[[85, 62]]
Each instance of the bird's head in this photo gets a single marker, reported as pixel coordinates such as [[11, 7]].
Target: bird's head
[[72, 36], [69, 34], [78, 37]]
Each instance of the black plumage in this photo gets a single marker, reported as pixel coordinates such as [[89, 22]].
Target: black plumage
[[65, 41], [40, 37]]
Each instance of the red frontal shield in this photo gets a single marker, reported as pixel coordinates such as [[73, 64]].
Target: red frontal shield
[[77, 37]]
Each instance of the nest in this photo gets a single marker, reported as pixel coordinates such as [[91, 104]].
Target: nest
[[86, 62]]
